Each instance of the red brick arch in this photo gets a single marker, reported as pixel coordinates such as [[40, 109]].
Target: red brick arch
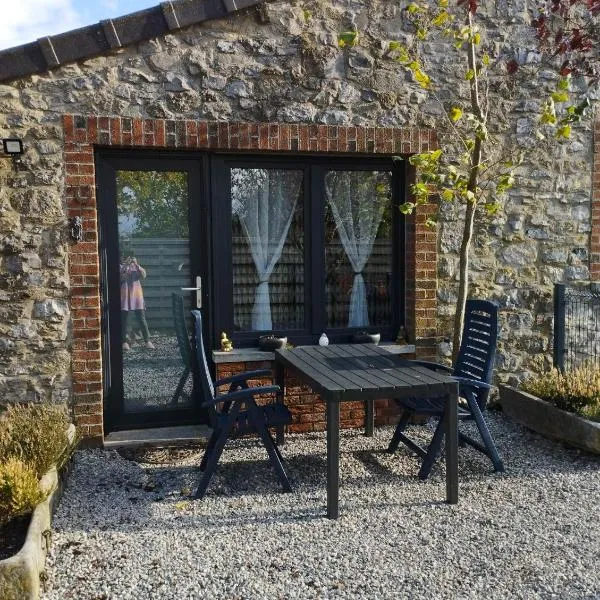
[[83, 134]]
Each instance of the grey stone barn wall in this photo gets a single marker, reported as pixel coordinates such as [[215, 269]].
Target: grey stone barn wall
[[282, 63]]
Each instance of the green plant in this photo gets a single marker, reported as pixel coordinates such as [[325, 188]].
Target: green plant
[[575, 391], [19, 489], [35, 434]]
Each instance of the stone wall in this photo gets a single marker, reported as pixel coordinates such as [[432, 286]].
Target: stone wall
[[281, 64]]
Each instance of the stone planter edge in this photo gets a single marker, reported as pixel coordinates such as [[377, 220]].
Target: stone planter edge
[[550, 421], [20, 574]]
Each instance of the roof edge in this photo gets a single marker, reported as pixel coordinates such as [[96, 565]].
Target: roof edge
[[93, 40]]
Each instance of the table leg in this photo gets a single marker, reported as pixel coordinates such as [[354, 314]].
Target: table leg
[[369, 417], [333, 459], [280, 381], [452, 446]]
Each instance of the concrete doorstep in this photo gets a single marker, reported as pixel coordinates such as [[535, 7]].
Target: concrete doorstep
[[158, 436]]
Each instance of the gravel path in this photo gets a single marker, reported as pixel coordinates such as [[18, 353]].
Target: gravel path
[[126, 529]]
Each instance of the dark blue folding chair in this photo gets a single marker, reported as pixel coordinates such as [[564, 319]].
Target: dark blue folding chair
[[473, 372], [183, 342], [237, 413]]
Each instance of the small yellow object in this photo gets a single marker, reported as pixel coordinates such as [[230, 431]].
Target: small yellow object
[[226, 345]]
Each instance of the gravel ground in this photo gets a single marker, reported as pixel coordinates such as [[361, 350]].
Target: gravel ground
[[127, 529]]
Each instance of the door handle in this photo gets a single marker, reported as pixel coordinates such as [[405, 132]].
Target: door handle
[[197, 289]]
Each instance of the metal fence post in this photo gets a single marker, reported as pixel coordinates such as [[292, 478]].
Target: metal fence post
[[559, 325]]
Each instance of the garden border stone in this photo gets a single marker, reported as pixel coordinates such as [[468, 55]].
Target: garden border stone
[[550, 421], [20, 574]]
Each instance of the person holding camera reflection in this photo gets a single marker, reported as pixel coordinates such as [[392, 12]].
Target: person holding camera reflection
[[132, 299]]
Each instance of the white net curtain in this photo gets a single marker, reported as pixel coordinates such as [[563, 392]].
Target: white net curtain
[[358, 200], [264, 201]]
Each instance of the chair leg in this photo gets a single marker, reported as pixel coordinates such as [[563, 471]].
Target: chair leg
[[180, 386], [272, 451], [486, 436], [434, 449], [402, 423], [211, 465], [209, 448], [280, 456]]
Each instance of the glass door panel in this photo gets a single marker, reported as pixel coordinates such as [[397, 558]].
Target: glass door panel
[[267, 248], [153, 238], [358, 249]]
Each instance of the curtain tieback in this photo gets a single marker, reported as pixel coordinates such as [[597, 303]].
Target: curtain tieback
[[264, 280], [357, 272]]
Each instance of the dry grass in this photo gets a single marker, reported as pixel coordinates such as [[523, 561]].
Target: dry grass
[[35, 434], [19, 489], [575, 391]]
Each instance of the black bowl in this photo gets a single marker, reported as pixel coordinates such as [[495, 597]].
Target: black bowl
[[270, 342], [366, 338]]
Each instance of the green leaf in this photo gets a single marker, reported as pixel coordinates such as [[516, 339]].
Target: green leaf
[[422, 79], [476, 39], [563, 84], [469, 74], [486, 59], [441, 19], [560, 96], [455, 114], [347, 38], [447, 195], [407, 208], [413, 8], [564, 132]]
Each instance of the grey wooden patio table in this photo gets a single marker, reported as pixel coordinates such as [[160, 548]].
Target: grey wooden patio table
[[365, 372]]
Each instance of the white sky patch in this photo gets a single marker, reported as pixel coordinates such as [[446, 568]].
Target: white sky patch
[[24, 21], [111, 5]]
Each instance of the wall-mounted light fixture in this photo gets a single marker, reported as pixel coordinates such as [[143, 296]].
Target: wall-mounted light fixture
[[76, 229], [14, 148]]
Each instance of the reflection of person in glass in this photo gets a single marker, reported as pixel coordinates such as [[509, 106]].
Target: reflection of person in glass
[[132, 299]]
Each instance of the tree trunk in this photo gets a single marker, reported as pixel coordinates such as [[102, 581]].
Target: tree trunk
[[463, 279], [476, 155]]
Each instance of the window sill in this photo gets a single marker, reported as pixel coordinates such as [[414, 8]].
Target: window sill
[[255, 355]]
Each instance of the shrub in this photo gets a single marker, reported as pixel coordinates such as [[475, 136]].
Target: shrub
[[35, 434], [19, 489], [575, 391]]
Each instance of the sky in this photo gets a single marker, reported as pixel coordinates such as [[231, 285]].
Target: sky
[[24, 21]]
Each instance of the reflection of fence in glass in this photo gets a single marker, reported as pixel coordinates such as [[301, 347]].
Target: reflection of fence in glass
[[377, 276], [576, 325], [286, 286], [167, 270]]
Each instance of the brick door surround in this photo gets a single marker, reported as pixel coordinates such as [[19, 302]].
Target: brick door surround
[[84, 134]]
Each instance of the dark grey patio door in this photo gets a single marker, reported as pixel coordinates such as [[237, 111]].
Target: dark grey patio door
[[154, 242]]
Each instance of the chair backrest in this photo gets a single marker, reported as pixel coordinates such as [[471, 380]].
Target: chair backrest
[[478, 344], [181, 331], [207, 388]]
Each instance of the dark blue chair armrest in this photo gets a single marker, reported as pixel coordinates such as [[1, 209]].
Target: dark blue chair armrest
[[241, 377], [432, 365], [473, 383], [243, 394]]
